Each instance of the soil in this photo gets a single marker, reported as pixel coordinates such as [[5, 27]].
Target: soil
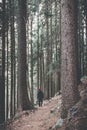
[[41, 118]]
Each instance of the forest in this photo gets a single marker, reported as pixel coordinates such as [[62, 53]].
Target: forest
[[43, 44]]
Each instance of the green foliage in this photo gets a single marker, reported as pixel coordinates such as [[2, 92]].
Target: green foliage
[[53, 66], [48, 14]]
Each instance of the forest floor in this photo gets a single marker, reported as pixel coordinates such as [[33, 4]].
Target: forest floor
[[41, 118]]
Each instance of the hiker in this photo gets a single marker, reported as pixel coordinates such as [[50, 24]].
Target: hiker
[[40, 97]]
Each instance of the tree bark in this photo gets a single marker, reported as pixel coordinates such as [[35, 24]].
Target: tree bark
[[2, 72], [68, 54], [23, 100]]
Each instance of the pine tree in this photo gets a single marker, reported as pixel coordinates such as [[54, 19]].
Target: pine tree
[[68, 54], [23, 100], [2, 72]]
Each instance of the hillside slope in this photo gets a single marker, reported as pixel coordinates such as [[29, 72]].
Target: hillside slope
[[42, 118]]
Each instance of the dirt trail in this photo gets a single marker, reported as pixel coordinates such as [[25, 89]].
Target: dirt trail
[[42, 118]]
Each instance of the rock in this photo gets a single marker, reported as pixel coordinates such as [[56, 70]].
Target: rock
[[77, 115], [58, 124], [52, 111], [84, 79], [63, 112]]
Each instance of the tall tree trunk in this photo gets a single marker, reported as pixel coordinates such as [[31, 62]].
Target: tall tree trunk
[[12, 56], [7, 77], [51, 49], [86, 34], [38, 51], [32, 96], [23, 102], [68, 54], [79, 41], [41, 60], [2, 74], [47, 50]]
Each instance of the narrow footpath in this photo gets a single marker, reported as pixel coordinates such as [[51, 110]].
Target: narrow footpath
[[42, 118]]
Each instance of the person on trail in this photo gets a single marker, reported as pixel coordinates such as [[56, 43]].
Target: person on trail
[[40, 97]]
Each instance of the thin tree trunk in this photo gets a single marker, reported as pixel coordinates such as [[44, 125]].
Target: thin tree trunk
[[38, 51], [32, 98], [86, 34], [51, 29], [12, 57], [79, 45], [47, 51], [7, 78]]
